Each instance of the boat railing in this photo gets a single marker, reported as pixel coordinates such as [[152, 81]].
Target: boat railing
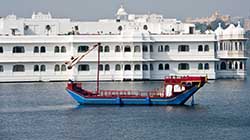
[[137, 93]]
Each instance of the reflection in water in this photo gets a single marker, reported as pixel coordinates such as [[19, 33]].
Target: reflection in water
[[46, 111]]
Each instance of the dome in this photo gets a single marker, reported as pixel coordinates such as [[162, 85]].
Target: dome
[[121, 12], [239, 30], [229, 30], [219, 30]]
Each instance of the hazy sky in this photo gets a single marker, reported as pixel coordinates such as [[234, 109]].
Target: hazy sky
[[96, 9]]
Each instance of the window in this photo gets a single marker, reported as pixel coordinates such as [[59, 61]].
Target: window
[[240, 46], [160, 48], [200, 48], [145, 67], [43, 49], [36, 68], [144, 48], [127, 67], [145, 27], [36, 49], [151, 67], [221, 46], [1, 49], [127, 49], [223, 66], [183, 66], [83, 48], [63, 49], [1, 68], [206, 48], [241, 66], [43, 68], [200, 66], [137, 67], [183, 48], [160, 67], [151, 47], [206, 66], [236, 65], [117, 67], [166, 48], [101, 48], [137, 48], [230, 65], [166, 66], [63, 67], [117, 48], [18, 49], [100, 67], [107, 68], [18, 68], [56, 50], [106, 49], [57, 67], [83, 67]]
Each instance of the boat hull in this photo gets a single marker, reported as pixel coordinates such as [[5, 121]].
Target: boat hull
[[177, 100]]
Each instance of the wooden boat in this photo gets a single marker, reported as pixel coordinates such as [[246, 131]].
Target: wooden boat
[[176, 91]]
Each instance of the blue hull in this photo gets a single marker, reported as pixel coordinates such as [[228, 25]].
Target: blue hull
[[178, 100]]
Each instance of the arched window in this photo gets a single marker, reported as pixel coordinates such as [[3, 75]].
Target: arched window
[[151, 67], [240, 46], [145, 67], [83, 48], [160, 48], [36, 68], [145, 27], [206, 48], [127, 49], [200, 66], [241, 65], [43, 49], [151, 47], [56, 50], [223, 66], [1, 49], [117, 67], [183, 48], [63, 67], [206, 66], [166, 66], [18, 68], [36, 49], [107, 68], [166, 48], [230, 65], [144, 48], [117, 48], [83, 67], [100, 67], [160, 67], [200, 48], [137, 67], [127, 67], [63, 49], [183, 66], [106, 49], [101, 48], [137, 48], [236, 65], [57, 67], [43, 68], [18, 49], [1, 68]]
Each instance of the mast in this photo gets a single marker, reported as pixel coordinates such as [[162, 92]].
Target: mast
[[98, 65]]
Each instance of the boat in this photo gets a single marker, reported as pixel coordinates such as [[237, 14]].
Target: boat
[[176, 90]]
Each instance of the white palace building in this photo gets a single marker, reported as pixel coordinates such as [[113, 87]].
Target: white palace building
[[134, 47]]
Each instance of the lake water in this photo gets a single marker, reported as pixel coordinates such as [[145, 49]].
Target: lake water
[[44, 111]]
